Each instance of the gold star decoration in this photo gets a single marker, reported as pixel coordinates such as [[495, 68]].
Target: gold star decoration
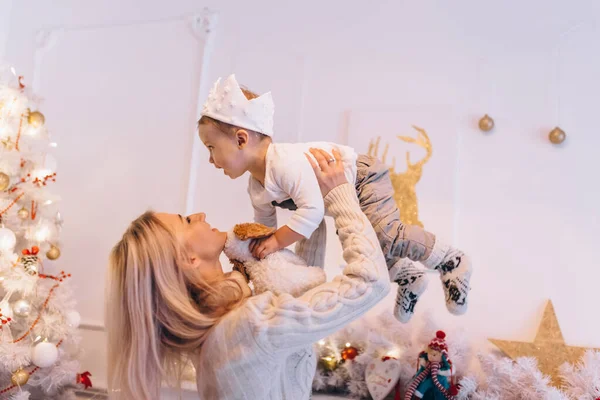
[[548, 347], [8, 143]]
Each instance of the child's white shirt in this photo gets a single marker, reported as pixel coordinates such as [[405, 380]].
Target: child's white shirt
[[289, 175]]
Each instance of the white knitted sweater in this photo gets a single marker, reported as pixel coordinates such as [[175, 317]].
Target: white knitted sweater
[[263, 349]]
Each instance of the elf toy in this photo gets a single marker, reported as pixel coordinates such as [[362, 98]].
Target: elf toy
[[434, 377]]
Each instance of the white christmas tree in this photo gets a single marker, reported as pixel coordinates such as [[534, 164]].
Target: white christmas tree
[[39, 341]]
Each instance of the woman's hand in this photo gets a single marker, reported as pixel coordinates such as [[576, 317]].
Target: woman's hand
[[328, 169]]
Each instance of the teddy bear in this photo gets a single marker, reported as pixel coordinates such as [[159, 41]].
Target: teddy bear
[[279, 272]]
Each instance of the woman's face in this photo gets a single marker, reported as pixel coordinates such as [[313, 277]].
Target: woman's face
[[203, 242]]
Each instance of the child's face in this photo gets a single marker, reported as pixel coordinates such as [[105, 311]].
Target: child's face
[[225, 152]]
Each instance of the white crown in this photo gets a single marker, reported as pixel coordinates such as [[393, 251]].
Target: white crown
[[227, 103]]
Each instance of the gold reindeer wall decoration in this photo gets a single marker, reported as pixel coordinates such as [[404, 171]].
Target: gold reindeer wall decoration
[[405, 183]]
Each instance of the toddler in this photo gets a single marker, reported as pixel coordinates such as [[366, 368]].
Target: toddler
[[237, 129]]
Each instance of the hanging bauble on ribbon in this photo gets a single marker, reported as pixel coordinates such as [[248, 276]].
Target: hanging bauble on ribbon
[[329, 363], [36, 119], [8, 240], [349, 353], [557, 136], [486, 123], [53, 253], [73, 319], [23, 213], [19, 377], [21, 308], [44, 354]]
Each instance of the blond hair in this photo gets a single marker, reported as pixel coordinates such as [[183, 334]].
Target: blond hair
[[159, 310], [229, 128]]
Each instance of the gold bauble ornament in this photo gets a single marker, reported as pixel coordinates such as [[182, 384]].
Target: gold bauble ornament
[[557, 135], [19, 377], [36, 119], [4, 181], [23, 213], [548, 347], [486, 123], [329, 363], [53, 253]]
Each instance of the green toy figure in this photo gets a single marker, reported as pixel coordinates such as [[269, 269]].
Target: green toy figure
[[434, 377]]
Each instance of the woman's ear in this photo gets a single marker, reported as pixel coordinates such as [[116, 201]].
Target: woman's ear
[[194, 261], [242, 137]]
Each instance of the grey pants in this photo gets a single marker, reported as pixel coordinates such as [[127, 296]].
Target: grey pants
[[376, 197]]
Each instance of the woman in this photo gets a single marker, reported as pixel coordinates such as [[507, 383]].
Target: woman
[[168, 297]]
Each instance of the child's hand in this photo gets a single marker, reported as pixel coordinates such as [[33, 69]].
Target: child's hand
[[261, 248]]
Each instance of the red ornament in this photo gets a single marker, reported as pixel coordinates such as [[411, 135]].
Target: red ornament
[[3, 320], [33, 252], [84, 379], [349, 353]]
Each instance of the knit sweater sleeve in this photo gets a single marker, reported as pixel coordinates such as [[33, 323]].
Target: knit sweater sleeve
[[284, 323]]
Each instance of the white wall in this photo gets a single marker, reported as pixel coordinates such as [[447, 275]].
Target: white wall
[[121, 81], [5, 8]]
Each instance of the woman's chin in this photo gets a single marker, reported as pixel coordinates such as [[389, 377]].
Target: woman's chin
[[232, 174], [222, 237]]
